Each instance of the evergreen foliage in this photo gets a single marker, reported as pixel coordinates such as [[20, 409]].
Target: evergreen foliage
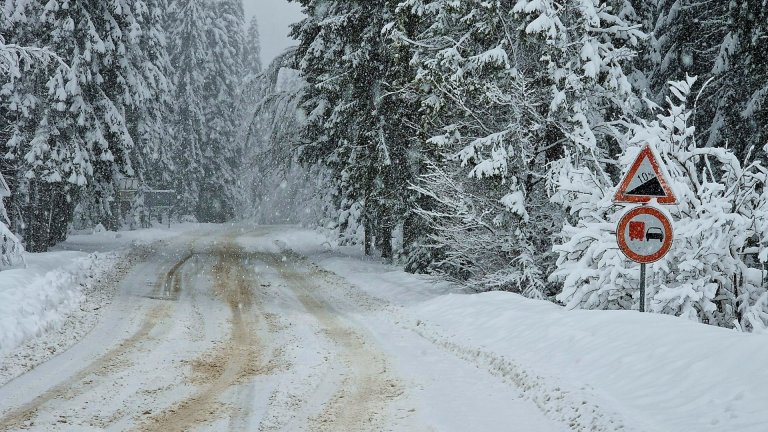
[[100, 103], [206, 50], [252, 49], [511, 121], [356, 121]]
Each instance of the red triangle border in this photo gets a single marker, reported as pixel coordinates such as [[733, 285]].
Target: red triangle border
[[621, 194]]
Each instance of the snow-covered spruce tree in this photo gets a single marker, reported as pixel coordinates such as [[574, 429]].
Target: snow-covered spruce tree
[[221, 150], [736, 106], [71, 131], [149, 116], [357, 123], [15, 63], [188, 48], [206, 51], [722, 43], [252, 49], [508, 90], [714, 272]]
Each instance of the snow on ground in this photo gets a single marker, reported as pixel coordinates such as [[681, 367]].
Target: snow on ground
[[57, 297], [99, 241], [592, 370], [646, 372], [40, 296]]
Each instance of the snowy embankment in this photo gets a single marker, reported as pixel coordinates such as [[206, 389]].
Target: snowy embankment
[[647, 372], [58, 296], [41, 296]]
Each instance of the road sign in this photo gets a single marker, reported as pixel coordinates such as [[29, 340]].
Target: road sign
[[127, 188], [644, 234], [157, 199], [645, 181], [5, 191], [160, 198]]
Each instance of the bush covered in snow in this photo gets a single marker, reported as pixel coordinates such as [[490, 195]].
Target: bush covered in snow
[[715, 270], [10, 247]]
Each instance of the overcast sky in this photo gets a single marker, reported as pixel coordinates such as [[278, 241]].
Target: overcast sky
[[275, 18]]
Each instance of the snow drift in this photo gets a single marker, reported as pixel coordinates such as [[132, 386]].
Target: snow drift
[[40, 297]]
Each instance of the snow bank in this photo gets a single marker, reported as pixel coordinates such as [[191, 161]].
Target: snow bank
[[39, 297], [662, 373], [92, 241], [276, 239]]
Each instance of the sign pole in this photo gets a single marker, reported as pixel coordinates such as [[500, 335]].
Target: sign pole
[[642, 287], [644, 234]]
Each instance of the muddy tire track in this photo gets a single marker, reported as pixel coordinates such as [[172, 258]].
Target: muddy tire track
[[110, 362], [361, 401], [103, 366], [169, 287], [230, 362]]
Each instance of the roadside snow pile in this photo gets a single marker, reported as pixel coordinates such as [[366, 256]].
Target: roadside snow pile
[[659, 372], [40, 297], [96, 241]]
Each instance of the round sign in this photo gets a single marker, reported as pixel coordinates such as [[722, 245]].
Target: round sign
[[644, 234]]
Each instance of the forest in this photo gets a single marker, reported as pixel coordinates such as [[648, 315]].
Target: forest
[[477, 141]]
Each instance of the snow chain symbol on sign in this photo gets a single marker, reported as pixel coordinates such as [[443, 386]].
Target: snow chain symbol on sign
[[644, 234]]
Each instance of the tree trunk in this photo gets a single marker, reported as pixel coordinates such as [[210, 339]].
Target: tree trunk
[[368, 237], [38, 216], [384, 238]]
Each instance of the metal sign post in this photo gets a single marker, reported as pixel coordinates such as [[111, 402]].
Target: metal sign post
[[642, 287], [645, 233]]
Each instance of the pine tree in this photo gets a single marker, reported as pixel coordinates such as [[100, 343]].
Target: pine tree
[[149, 117], [509, 91], [62, 138], [355, 123], [189, 52], [207, 54], [252, 49], [221, 149], [723, 44]]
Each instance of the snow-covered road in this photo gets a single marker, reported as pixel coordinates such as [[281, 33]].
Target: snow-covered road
[[212, 332]]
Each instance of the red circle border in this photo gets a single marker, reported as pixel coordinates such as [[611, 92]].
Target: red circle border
[[644, 259]]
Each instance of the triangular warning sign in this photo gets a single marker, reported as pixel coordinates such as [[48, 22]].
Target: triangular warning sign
[[645, 181]]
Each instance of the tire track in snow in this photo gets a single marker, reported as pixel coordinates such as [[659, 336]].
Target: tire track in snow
[[360, 403], [109, 363], [572, 408], [104, 365], [231, 362]]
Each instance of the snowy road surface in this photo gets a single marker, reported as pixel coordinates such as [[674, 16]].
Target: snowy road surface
[[213, 332]]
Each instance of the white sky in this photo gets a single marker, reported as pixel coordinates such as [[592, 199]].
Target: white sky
[[275, 18]]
